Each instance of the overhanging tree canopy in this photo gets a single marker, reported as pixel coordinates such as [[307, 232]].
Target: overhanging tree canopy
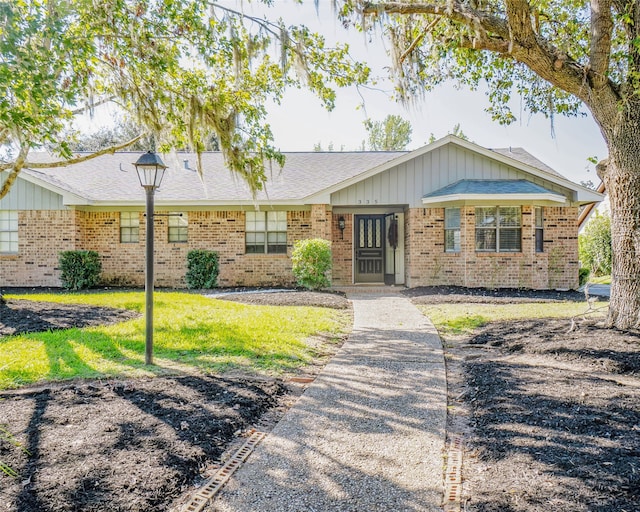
[[185, 70], [558, 56]]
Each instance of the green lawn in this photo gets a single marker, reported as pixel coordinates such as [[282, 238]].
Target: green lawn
[[190, 331], [460, 319], [600, 280]]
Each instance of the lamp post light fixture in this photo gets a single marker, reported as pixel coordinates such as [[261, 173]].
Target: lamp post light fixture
[[150, 169], [341, 225]]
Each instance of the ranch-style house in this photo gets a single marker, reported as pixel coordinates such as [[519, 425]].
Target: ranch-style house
[[450, 213]]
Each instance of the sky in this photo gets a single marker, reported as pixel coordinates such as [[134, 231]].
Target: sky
[[301, 121]]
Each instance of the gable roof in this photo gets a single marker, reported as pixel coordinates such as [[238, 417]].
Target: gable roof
[[306, 178]]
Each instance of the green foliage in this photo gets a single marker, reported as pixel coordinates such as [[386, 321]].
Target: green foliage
[[594, 245], [311, 260], [392, 134], [185, 71], [192, 332], [583, 276], [202, 269], [79, 269]]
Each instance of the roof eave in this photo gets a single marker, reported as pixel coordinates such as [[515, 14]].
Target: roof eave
[[495, 198]]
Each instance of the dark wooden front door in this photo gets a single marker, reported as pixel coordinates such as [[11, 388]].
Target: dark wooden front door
[[369, 244]]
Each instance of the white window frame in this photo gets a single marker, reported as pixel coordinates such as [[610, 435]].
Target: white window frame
[[178, 227], [8, 231], [497, 227], [452, 229], [129, 227], [266, 232]]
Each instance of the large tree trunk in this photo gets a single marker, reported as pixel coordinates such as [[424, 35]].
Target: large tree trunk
[[621, 176]]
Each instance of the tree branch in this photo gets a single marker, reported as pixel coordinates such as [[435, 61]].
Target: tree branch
[[601, 33], [453, 10], [93, 105], [83, 158], [15, 167]]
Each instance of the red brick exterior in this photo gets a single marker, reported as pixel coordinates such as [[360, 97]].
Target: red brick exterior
[[43, 234], [428, 264], [342, 250]]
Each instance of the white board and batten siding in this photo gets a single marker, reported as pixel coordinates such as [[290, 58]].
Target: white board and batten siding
[[25, 195], [407, 183]]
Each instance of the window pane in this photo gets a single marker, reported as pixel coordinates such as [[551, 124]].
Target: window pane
[[178, 219], [510, 216], [485, 217], [510, 240], [129, 219], [8, 231], [538, 217], [452, 240], [276, 221], [451, 218], [255, 249], [539, 240], [485, 239]]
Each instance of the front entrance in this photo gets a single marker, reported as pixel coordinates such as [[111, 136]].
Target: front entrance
[[369, 245]]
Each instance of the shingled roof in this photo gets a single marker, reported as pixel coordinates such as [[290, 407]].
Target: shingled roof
[[113, 179]]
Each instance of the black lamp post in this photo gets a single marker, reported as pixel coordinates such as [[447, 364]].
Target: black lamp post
[[150, 169]]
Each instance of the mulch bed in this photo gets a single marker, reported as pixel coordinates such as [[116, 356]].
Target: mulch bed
[[134, 445], [290, 298], [550, 415], [22, 316]]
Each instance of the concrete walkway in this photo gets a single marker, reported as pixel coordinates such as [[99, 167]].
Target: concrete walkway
[[367, 434]]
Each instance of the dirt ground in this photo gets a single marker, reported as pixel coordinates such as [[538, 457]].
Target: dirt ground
[[550, 418]]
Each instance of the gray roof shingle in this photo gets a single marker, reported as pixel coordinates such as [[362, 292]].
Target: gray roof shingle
[[493, 187], [112, 178]]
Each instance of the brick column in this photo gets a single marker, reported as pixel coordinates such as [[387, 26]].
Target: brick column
[[321, 221]]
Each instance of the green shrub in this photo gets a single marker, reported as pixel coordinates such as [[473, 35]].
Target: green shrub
[[80, 269], [202, 269], [583, 275], [311, 262], [594, 245]]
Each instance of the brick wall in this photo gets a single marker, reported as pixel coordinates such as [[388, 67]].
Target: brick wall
[[42, 235], [342, 250], [427, 264], [221, 231]]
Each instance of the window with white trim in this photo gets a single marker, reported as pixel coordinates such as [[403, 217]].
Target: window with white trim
[[266, 232], [498, 229], [178, 227], [539, 220], [452, 229], [129, 227], [8, 231]]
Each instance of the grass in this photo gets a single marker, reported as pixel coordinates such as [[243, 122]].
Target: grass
[[600, 280], [463, 319], [190, 331]]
